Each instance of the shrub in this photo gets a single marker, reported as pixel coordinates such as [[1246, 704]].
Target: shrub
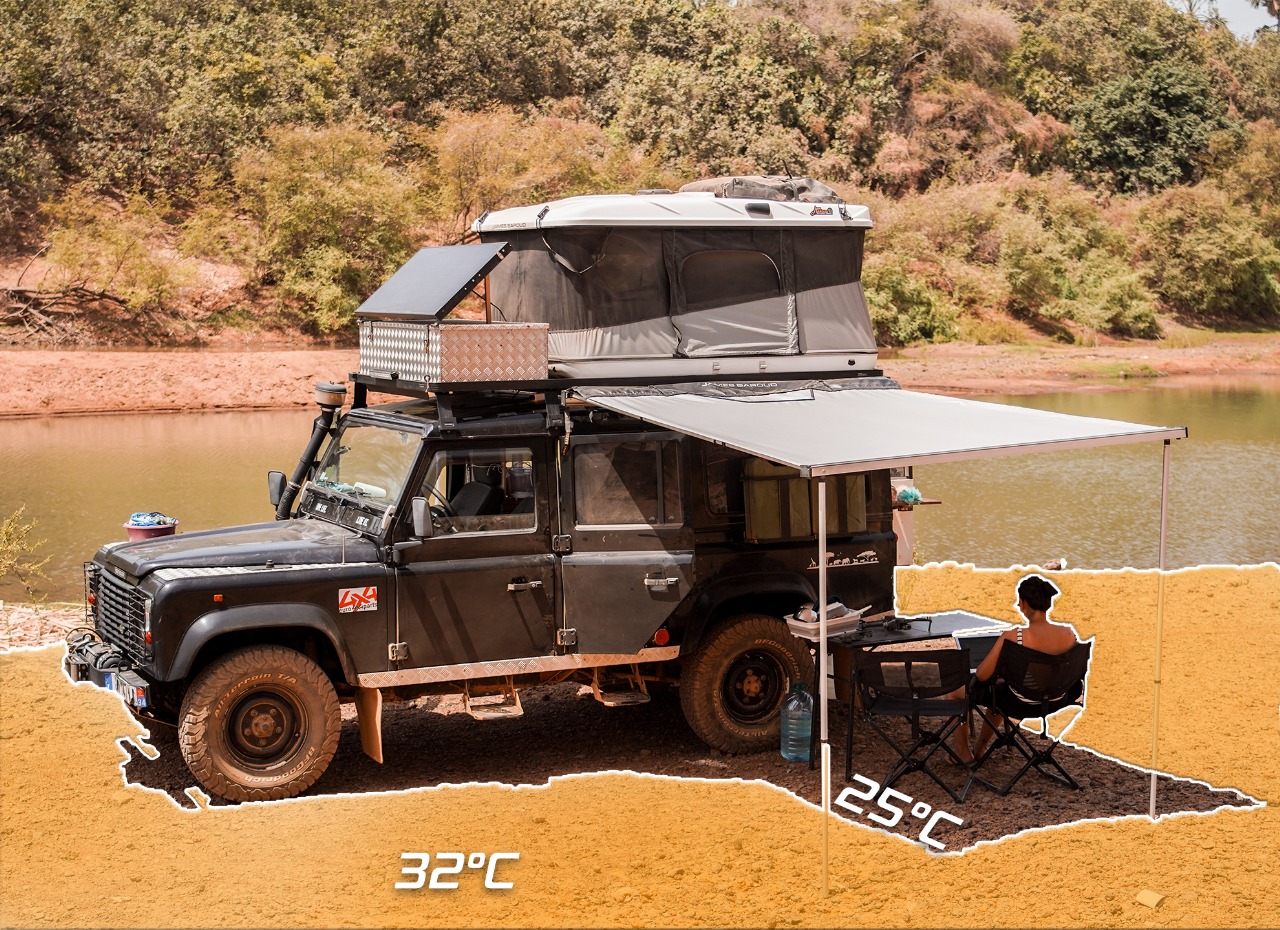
[[905, 308], [115, 249], [336, 217], [16, 548], [1112, 298], [497, 158], [1206, 256], [1254, 178]]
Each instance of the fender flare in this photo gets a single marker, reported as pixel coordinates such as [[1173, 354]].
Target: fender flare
[[721, 590], [218, 623]]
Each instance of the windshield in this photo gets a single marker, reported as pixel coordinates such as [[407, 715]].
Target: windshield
[[368, 463]]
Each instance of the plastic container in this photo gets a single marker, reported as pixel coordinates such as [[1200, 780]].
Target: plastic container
[[797, 724], [143, 525], [137, 533]]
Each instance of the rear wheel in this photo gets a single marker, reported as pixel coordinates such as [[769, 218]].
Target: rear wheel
[[732, 689], [259, 724]]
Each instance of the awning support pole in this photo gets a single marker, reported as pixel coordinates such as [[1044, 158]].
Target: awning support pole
[[821, 696], [1164, 527]]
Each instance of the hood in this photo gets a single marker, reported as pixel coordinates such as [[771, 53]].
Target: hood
[[288, 542]]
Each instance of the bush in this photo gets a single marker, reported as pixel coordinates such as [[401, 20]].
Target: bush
[[1254, 177], [905, 308], [114, 249], [1207, 257], [1112, 298], [16, 546], [497, 158], [336, 217]]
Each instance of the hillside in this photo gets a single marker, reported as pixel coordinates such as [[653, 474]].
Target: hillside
[[1074, 170]]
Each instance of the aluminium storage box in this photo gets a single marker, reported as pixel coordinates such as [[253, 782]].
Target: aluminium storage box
[[453, 351]]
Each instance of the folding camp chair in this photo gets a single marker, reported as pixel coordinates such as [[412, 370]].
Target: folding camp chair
[[913, 685], [1027, 685]]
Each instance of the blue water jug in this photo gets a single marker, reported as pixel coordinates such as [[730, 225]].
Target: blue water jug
[[797, 724]]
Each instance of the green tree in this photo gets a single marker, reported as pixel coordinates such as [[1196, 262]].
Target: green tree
[[1149, 130]]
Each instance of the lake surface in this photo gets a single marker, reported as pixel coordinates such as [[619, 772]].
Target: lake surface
[[1100, 508], [81, 478]]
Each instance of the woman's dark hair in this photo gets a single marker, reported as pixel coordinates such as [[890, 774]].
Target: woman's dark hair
[[1037, 592]]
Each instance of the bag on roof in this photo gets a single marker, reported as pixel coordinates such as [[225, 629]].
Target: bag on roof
[[766, 187]]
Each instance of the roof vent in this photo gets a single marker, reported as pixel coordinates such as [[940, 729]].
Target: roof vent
[[649, 191], [759, 209]]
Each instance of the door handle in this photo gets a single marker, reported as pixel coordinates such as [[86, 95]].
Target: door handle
[[660, 584], [523, 585]]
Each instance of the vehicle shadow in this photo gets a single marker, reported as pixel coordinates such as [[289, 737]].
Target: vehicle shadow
[[432, 742]]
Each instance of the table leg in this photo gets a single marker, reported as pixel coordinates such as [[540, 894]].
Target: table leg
[[813, 727], [848, 733]]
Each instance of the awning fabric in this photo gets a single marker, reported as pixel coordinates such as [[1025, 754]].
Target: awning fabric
[[829, 428]]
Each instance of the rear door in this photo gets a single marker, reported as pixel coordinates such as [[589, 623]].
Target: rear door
[[631, 561]]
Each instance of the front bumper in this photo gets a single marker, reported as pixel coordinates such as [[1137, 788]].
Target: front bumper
[[90, 659]]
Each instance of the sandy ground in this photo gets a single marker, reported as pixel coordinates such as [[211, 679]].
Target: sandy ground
[[43, 382], [82, 849]]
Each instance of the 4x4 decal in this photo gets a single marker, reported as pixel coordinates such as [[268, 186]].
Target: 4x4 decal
[[356, 600]]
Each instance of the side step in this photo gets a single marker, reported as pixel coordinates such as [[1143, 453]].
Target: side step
[[503, 705], [611, 695]]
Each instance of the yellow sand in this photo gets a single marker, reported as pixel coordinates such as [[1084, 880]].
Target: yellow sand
[[80, 849]]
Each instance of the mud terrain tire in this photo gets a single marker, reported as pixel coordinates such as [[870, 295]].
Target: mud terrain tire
[[733, 687], [259, 724]]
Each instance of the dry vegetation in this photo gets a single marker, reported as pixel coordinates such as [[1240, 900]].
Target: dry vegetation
[[1076, 169]]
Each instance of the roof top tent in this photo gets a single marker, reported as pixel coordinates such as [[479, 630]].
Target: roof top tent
[[689, 285]]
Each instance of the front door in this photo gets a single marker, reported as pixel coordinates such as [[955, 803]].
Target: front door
[[482, 588], [631, 558]]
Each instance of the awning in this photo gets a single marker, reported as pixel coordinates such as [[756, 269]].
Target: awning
[[830, 428]]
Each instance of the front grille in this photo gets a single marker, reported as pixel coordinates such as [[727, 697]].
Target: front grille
[[120, 615]]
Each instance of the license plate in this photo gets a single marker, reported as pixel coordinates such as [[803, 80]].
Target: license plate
[[123, 687]]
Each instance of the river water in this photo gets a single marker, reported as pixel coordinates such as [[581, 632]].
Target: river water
[[81, 478]]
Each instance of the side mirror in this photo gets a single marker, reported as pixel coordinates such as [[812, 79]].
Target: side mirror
[[422, 524], [275, 486]]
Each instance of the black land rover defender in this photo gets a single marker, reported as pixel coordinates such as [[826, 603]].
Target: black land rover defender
[[481, 540]]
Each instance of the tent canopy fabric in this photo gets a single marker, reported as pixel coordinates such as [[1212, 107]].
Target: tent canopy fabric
[[830, 428]]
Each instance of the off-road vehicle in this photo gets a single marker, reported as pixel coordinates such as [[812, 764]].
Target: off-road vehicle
[[496, 526]]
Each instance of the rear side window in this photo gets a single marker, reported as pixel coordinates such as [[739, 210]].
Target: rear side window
[[627, 483], [723, 277]]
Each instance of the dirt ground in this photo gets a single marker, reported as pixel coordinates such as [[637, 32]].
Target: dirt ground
[[45, 382], [80, 848]]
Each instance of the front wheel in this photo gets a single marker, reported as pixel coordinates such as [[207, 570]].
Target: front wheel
[[732, 689], [259, 724]]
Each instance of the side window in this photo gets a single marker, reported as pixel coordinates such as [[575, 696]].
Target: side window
[[722, 469], [627, 482], [481, 491], [722, 277]]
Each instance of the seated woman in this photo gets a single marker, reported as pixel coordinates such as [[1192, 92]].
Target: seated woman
[[1035, 599]]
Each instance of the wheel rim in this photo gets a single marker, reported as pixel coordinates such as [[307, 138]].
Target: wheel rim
[[265, 728], [753, 686]]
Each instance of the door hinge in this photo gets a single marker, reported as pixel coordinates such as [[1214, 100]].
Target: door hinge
[[567, 637], [398, 651], [562, 544]]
